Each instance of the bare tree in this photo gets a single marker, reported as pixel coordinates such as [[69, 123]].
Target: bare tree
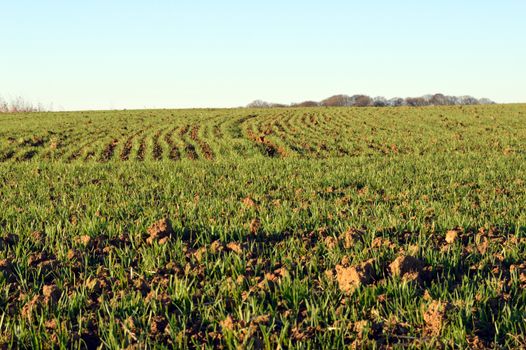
[[4, 107], [337, 101], [379, 101], [396, 102], [416, 101], [258, 104], [307, 104], [341, 100], [362, 101], [469, 100], [486, 101], [453, 100], [19, 105], [438, 100]]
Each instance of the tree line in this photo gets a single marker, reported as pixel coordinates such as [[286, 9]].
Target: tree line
[[380, 101], [19, 105]]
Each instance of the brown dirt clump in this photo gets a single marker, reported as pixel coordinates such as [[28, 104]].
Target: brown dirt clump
[[360, 326], [50, 296], [331, 242], [266, 146], [7, 155], [158, 325], [482, 243], [407, 267], [351, 237], [216, 247], [51, 324], [94, 285], [85, 240], [51, 293], [36, 258], [194, 132], [73, 254], [45, 262], [75, 155], [107, 154], [350, 278], [184, 130], [255, 225], [4, 264], [191, 153], [520, 270], [8, 240], [6, 268], [38, 237], [160, 232], [141, 152], [227, 324], [142, 286], [435, 317], [126, 149], [174, 153], [380, 242], [207, 150], [235, 247], [304, 333], [157, 148], [248, 202], [31, 306], [27, 155], [476, 343], [451, 236], [260, 319]]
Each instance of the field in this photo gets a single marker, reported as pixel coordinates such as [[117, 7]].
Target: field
[[264, 228]]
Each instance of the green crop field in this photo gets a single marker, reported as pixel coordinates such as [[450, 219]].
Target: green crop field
[[264, 228]]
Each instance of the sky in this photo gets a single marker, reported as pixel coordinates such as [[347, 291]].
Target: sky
[[79, 55]]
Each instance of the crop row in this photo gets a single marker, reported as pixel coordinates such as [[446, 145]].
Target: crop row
[[304, 133]]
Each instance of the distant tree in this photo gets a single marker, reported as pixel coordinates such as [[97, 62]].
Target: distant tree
[[258, 104], [379, 101], [396, 102], [427, 98], [307, 104], [438, 100], [19, 105], [4, 107], [362, 101], [468, 100], [337, 101], [486, 101], [453, 100], [278, 105], [416, 101], [341, 100]]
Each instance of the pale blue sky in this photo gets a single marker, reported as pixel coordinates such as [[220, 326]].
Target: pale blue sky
[[136, 54]]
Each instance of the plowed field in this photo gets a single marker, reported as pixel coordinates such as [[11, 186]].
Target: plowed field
[[264, 228]]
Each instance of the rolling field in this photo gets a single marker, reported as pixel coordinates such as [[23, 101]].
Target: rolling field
[[264, 228]]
